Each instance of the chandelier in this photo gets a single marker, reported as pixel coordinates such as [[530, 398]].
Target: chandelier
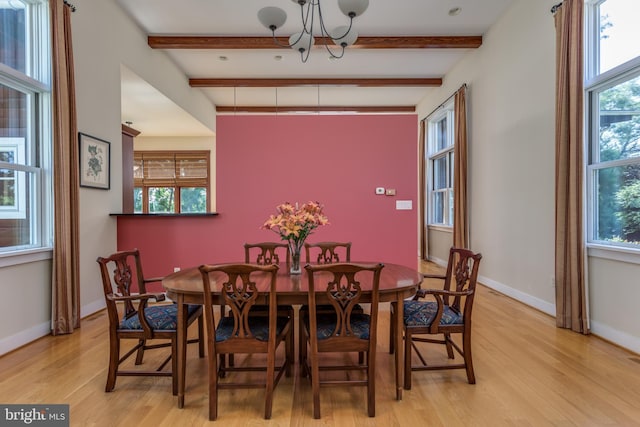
[[302, 41]]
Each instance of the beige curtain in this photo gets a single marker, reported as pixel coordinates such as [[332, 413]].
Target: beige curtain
[[460, 216], [571, 307], [65, 295], [424, 236]]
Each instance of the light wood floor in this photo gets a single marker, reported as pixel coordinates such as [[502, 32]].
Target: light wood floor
[[529, 373]]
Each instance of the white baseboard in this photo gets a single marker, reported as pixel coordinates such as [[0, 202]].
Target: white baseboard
[[15, 341], [537, 303], [92, 307], [622, 339], [523, 297], [24, 337]]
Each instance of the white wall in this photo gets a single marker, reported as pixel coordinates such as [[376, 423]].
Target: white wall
[[613, 301], [511, 103], [103, 39], [510, 81]]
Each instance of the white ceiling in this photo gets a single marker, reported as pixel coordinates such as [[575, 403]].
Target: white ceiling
[[239, 18]]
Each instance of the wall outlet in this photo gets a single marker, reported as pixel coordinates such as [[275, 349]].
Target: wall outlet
[[176, 269]]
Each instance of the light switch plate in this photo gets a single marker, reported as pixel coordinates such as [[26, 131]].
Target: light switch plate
[[404, 205], [379, 190]]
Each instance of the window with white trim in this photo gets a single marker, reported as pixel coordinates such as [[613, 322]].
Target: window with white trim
[[171, 181], [25, 135], [612, 88], [439, 148]]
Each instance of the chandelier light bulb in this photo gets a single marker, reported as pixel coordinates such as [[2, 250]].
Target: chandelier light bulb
[[353, 8], [272, 17], [301, 42], [343, 36]]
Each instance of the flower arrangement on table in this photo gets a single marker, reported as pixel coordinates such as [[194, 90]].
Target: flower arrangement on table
[[294, 224]]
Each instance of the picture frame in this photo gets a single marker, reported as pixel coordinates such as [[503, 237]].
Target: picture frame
[[95, 162]]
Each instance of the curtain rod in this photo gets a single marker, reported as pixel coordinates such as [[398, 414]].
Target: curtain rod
[[556, 7], [445, 101], [71, 6]]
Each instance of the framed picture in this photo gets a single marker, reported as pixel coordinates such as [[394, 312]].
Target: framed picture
[[95, 162]]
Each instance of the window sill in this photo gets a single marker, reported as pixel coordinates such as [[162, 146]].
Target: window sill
[[25, 256], [152, 215], [444, 228], [615, 253]]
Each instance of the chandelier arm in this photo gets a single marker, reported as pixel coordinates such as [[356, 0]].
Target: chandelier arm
[[304, 27], [277, 42], [304, 55], [333, 55], [326, 33], [304, 16]]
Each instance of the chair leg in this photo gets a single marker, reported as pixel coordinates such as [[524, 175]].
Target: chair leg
[[213, 385], [268, 398], [407, 359], [315, 386], [140, 352], [302, 346], [371, 383], [392, 328], [447, 340], [290, 350], [468, 361], [174, 365], [201, 336], [114, 356], [220, 370]]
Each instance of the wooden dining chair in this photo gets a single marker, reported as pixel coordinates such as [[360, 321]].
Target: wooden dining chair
[[327, 252], [266, 253], [124, 284], [342, 331], [447, 312], [241, 333]]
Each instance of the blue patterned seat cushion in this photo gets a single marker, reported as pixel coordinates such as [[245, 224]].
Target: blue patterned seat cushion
[[422, 313], [160, 317], [327, 324], [259, 326]]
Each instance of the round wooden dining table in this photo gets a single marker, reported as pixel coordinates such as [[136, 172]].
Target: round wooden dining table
[[397, 282]]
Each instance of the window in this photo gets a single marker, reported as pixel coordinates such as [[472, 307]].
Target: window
[[613, 96], [171, 181], [440, 140], [25, 135]]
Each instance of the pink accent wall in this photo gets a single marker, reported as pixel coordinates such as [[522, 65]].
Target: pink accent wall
[[262, 161]]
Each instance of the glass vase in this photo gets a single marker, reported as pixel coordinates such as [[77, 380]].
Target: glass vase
[[295, 249]]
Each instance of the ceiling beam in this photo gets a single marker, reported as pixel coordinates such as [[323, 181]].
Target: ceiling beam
[[430, 82], [379, 42], [315, 109]]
